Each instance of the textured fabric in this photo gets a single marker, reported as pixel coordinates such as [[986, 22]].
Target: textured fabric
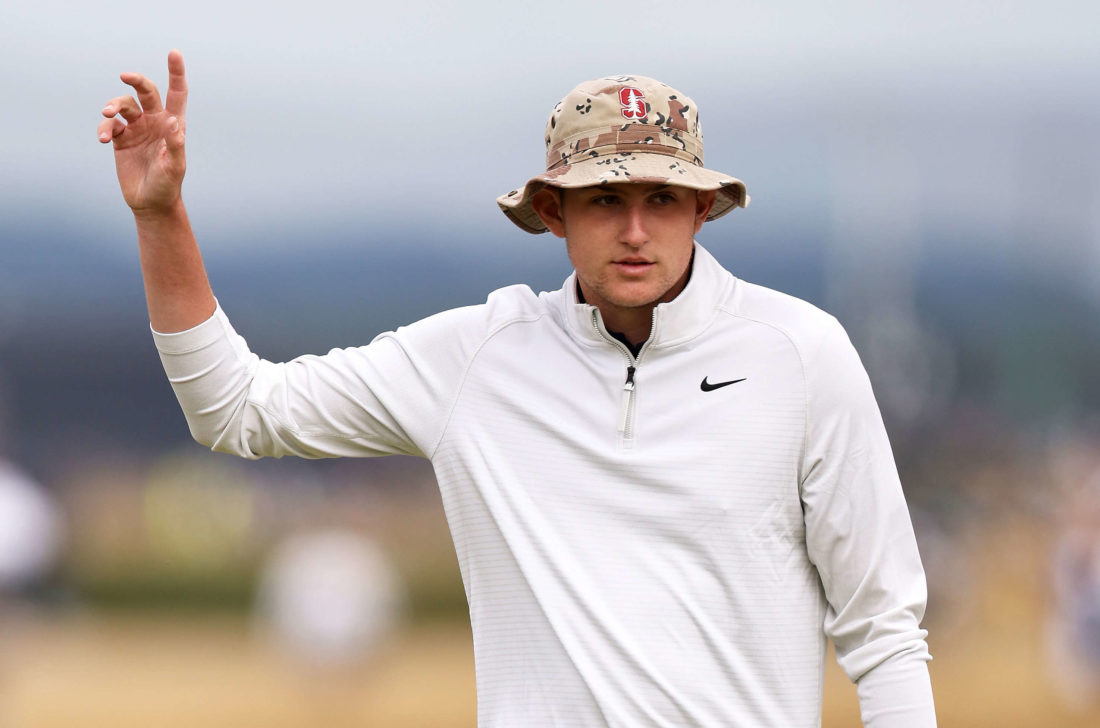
[[670, 554], [623, 129]]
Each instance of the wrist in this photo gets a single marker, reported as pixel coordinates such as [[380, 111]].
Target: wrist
[[160, 213]]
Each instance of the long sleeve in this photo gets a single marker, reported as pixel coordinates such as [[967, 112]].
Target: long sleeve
[[389, 397], [859, 535]]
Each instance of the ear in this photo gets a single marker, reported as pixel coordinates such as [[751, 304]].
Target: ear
[[547, 205], [704, 201]]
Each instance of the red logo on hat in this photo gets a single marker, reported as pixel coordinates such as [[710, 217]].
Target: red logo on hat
[[633, 102]]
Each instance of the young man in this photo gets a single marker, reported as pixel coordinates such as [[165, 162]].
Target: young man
[[667, 487]]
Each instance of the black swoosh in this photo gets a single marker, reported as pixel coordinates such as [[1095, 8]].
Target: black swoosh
[[708, 387]]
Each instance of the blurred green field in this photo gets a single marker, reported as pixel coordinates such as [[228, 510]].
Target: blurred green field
[[124, 671], [120, 669], [95, 671], [163, 638]]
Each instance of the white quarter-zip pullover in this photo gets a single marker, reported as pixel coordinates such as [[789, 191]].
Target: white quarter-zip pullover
[[660, 540]]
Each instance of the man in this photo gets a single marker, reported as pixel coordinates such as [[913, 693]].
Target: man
[[666, 487]]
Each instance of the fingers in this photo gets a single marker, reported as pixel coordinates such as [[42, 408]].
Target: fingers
[[146, 91], [125, 106], [110, 128], [177, 85], [148, 101]]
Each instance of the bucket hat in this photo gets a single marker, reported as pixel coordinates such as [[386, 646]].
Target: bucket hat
[[623, 129]]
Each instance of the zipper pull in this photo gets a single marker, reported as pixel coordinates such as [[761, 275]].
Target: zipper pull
[[628, 395]]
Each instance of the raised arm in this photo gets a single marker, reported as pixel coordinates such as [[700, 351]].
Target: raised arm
[[148, 139]]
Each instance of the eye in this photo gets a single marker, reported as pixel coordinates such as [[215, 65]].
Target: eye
[[605, 200], [663, 198]]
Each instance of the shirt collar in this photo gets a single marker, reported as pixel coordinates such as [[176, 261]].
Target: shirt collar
[[678, 320]]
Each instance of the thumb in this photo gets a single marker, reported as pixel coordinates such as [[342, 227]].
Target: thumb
[[174, 138]]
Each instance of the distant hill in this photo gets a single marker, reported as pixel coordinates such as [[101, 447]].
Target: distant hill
[[78, 370]]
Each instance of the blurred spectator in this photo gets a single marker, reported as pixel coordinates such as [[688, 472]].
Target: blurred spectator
[[31, 532], [329, 597], [1074, 623]]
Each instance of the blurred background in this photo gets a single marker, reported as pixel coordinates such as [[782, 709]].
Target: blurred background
[[929, 172]]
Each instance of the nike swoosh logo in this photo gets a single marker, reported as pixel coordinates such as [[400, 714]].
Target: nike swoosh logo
[[708, 387]]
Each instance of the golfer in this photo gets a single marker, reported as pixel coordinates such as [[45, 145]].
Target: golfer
[[668, 488]]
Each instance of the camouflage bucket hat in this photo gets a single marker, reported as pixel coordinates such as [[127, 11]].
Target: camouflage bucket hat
[[623, 129]]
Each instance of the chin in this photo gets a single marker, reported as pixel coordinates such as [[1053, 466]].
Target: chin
[[635, 299]]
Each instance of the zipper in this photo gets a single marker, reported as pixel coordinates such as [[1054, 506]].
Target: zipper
[[627, 407], [626, 403]]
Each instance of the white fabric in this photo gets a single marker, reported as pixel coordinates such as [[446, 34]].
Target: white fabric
[[683, 570]]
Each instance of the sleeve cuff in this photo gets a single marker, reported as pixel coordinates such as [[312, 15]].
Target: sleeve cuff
[[898, 694], [194, 338]]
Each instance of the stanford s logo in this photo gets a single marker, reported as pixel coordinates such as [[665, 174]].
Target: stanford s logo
[[633, 102]]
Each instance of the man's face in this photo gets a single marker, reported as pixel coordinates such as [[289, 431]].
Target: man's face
[[630, 243]]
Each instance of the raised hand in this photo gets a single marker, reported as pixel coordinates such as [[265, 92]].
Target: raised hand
[[149, 139]]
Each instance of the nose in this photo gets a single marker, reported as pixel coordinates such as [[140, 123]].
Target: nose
[[635, 232]]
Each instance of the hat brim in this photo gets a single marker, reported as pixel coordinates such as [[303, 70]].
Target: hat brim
[[637, 168]]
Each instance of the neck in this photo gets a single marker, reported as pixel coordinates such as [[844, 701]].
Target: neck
[[633, 323]]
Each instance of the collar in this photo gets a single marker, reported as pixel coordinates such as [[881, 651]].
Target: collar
[[676, 321]]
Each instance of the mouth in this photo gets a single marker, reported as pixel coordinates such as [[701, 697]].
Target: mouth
[[632, 265]]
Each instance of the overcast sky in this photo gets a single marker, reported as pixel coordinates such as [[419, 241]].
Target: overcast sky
[[320, 114]]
